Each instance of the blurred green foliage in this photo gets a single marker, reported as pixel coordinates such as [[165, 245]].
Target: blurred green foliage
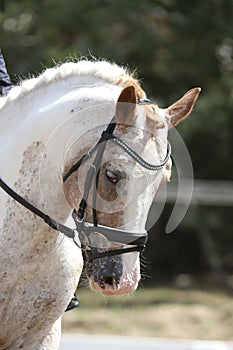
[[173, 44]]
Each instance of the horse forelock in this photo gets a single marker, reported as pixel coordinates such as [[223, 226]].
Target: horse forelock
[[104, 70]]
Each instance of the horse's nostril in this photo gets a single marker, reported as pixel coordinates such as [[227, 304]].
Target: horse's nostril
[[108, 280]]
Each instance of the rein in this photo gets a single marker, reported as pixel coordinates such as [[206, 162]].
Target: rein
[[136, 240]]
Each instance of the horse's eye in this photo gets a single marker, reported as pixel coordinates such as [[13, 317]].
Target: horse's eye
[[112, 177]]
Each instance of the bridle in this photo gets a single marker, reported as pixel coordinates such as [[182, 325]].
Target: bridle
[[134, 241]]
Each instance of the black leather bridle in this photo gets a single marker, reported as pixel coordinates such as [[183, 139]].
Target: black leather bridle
[[134, 241]]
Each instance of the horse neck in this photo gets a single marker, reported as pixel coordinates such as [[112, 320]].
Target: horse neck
[[36, 140]]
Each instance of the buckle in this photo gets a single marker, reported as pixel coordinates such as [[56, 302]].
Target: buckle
[[76, 239]]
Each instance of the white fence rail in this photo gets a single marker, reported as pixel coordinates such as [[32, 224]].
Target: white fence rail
[[205, 192]]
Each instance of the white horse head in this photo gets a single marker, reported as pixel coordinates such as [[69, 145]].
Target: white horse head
[[47, 124], [125, 189]]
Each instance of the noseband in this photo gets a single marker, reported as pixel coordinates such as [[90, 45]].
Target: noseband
[[134, 241]]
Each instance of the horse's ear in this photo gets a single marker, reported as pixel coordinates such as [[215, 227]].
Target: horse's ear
[[126, 104], [181, 109]]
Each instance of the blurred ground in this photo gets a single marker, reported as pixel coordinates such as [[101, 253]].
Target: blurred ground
[[154, 312], [88, 342]]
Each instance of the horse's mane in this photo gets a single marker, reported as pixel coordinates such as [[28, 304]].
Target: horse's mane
[[108, 72]]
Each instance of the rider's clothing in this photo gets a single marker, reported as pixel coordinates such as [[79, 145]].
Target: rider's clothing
[[5, 82]]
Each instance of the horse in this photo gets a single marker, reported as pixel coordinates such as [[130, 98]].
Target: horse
[[84, 149]]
